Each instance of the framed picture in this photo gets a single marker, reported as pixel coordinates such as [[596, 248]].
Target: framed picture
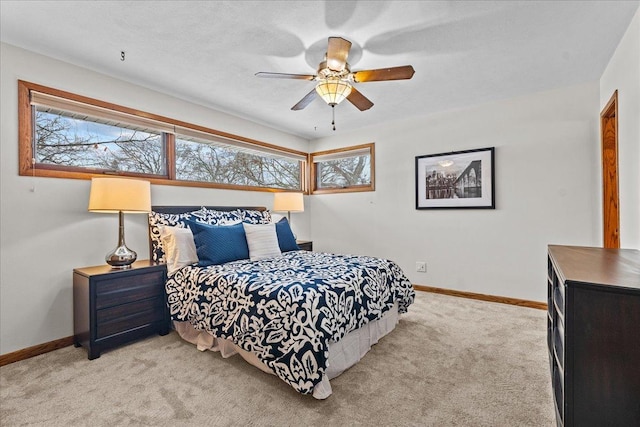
[[456, 180]]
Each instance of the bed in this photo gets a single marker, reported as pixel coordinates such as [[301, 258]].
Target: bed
[[303, 316]]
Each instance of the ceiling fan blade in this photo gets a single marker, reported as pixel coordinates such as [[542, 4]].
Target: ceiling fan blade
[[359, 100], [286, 76], [395, 73], [305, 101], [337, 53]]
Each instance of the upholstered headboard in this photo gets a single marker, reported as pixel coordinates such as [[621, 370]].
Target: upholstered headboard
[[177, 210]]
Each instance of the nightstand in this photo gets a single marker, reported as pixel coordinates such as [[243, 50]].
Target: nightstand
[[305, 245], [111, 307]]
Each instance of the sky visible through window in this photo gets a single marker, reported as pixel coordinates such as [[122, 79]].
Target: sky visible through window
[[68, 141]]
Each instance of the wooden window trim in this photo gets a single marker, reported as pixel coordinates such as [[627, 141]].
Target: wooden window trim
[[26, 155], [610, 168], [351, 189]]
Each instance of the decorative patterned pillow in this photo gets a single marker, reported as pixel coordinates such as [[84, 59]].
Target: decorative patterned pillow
[[214, 217], [250, 216], [217, 244], [262, 241], [203, 215], [156, 220], [286, 239]]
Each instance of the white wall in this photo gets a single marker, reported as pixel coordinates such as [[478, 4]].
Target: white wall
[[546, 192], [623, 73], [45, 234]]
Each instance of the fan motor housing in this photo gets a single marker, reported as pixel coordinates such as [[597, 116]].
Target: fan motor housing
[[324, 72]]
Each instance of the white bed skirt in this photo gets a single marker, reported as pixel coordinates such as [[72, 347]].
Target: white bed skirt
[[342, 354]]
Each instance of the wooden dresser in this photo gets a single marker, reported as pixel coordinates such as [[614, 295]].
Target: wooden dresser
[[593, 335]]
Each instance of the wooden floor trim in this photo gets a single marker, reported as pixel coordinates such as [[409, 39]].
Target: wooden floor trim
[[483, 297], [26, 353]]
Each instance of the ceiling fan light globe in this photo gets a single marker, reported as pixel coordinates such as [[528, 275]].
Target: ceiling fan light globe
[[333, 91]]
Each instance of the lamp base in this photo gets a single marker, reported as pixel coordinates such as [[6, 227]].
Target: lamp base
[[121, 257]]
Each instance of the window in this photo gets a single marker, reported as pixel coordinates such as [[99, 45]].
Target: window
[[64, 139], [69, 136], [346, 169], [206, 158]]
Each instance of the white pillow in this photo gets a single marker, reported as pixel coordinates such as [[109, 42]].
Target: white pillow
[[179, 247], [262, 241], [276, 217]]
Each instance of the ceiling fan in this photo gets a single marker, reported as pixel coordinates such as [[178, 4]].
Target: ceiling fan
[[335, 78]]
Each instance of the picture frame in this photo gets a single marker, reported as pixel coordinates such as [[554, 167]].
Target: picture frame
[[456, 180]]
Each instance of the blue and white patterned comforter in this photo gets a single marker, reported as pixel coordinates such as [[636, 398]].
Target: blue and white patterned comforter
[[287, 309]]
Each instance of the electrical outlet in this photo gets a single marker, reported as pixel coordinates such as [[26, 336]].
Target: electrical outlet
[[421, 266]]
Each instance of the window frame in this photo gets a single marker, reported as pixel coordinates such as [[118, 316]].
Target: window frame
[[313, 177], [28, 167]]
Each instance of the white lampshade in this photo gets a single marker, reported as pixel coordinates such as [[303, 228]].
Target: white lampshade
[[333, 90], [120, 195], [113, 195], [288, 202]]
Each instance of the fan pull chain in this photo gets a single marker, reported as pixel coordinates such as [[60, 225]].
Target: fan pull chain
[[333, 116]]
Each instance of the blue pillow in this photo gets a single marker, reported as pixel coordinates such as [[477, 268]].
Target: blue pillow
[[217, 244], [286, 239]]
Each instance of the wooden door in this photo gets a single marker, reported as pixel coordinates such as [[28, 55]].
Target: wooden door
[[610, 195]]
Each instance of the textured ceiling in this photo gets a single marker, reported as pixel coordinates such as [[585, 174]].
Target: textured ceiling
[[464, 52]]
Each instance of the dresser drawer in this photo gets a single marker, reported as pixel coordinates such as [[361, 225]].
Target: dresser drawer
[[111, 292], [558, 298], [558, 343], [558, 394], [549, 332], [124, 317]]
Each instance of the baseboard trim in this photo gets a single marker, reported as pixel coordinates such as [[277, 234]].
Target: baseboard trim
[[483, 297], [36, 350]]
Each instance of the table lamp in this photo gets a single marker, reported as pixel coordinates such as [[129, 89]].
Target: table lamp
[[288, 202], [120, 195]]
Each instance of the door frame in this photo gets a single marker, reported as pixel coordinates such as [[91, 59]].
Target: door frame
[[609, 156]]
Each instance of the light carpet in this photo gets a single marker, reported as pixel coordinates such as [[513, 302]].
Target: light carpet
[[450, 362]]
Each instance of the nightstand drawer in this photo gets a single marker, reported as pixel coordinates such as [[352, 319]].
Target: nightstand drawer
[[121, 291], [124, 317]]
